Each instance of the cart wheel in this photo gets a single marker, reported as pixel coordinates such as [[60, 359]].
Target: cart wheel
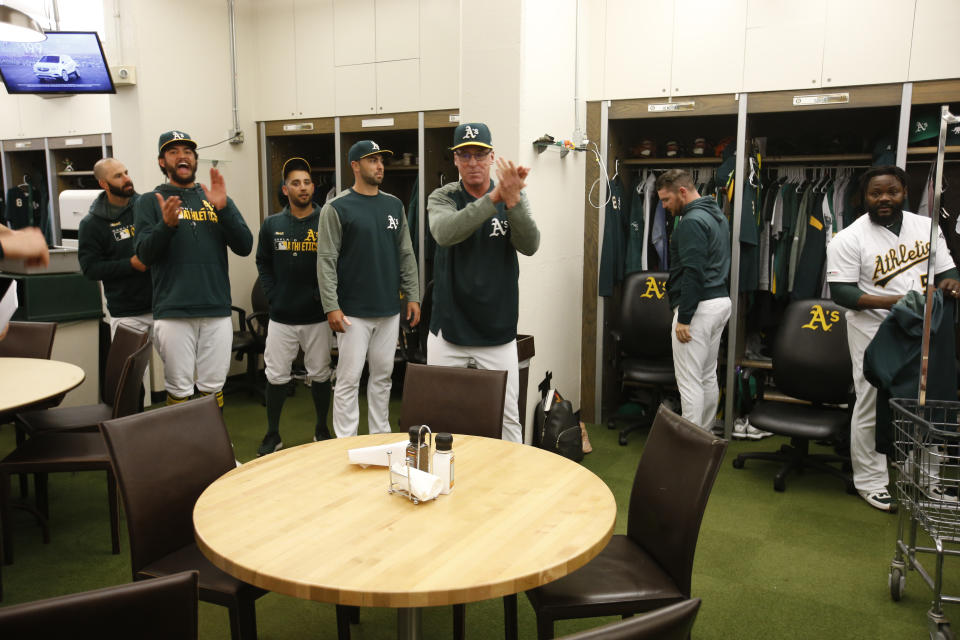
[[737, 463], [779, 485], [944, 632], [896, 581], [623, 439]]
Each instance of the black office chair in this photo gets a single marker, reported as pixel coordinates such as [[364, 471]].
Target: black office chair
[[158, 609], [811, 362], [413, 340], [643, 349], [652, 565], [669, 623], [250, 338]]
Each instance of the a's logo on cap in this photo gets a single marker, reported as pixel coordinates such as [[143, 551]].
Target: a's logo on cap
[[374, 146], [470, 132], [921, 126], [176, 135]]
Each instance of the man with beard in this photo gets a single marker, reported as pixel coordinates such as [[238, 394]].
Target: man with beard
[[479, 226], [871, 264], [183, 231], [698, 293], [287, 262], [364, 263], [106, 249]]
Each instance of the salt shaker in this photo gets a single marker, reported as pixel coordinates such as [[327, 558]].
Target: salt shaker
[[443, 461]]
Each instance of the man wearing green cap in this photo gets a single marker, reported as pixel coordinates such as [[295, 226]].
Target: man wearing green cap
[[287, 263], [479, 226], [364, 263], [183, 231]]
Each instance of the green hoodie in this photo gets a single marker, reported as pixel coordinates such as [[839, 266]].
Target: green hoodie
[[189, 262], [287, 263], [106, 246], [699, 257]]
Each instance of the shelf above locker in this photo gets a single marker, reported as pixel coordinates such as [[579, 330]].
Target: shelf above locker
[[669, 162]]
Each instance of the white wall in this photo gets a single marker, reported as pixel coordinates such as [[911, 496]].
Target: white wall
[[183, 82]]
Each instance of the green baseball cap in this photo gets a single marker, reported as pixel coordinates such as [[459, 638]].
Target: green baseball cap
[[923, 127], [365, 148], [474, 134], [176, 137], [294, 164]]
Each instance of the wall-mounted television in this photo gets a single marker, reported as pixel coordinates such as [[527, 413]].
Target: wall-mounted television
[[66, 62]]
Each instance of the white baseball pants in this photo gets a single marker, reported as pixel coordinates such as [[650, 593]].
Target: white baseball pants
[[869, 466], [283, 343], [373, 340], [195, 351], [695, 362]]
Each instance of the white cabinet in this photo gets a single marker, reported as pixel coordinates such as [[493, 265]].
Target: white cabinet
[[356, 89], [708, 41], [10, 122], [67, 116], [355, 35], [439, 54], [784, 45], [638, 50], [398, 29], [314, 70], [867, 42], [276, 94], [295, 59], [398, 86], [935, 54]]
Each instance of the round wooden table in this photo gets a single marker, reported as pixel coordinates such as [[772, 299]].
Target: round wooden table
[[307, 523], [28, 381]]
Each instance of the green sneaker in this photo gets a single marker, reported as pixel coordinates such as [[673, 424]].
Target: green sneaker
[[271, 442]]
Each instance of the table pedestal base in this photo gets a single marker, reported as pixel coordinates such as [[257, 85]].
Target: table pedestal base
[[409, 623]]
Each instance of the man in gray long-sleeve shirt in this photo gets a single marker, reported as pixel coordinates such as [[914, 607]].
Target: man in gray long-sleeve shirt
[[479, 226], [364, 262]]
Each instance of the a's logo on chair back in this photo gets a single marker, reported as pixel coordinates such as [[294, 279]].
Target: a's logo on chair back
[[821, 320], [655, 288]]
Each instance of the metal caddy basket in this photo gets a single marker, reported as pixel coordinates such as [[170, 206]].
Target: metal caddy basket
[[927, 463]]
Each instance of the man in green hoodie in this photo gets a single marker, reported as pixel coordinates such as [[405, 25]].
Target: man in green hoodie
[[183, 231], [287, 262], [106, 239], [697, 288]]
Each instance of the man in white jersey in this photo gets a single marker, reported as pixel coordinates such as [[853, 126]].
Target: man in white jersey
[[871, 264]]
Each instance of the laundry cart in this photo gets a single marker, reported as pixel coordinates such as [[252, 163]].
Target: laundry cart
[[927, 481]]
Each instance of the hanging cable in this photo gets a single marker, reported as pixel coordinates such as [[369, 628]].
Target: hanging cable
[[596, 183]]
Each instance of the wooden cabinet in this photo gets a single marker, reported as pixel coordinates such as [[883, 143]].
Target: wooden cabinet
[[277, 94], [356, 89]]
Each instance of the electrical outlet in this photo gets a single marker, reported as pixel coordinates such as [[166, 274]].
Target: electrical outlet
[[236, 136], [124, 75]]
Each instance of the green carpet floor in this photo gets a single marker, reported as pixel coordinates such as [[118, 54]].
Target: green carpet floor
[[808, 563]]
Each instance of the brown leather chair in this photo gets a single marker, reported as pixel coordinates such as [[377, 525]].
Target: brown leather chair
[[155, 610], [651, 565], [28, 340], [59, 452], [669, 623], [454, 400], [116, 400], [164, 459]]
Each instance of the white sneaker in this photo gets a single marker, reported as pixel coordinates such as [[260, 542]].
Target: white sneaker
[[937, 492], [740, 429], [756, 434], [881, 500]]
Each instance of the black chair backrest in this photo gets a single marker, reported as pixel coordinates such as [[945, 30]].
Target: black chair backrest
[[811, 359], [150, 609], [127, 399], [454, 400], [28, 340], [670, 490], [672, 622], [258, 299], [126, 342], [645, 315], [163, 460]]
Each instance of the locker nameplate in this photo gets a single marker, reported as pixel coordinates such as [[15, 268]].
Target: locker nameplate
[[454, 117], [73, 142], [672, 106], [377, 122], [821, 98], [299, 126]]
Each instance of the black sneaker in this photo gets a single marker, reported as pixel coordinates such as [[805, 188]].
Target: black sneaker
[[321, 433], [271, 442]]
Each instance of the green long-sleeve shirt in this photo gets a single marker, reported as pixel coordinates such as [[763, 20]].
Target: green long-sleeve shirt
[[287, 264], [475, 291], [364, 256], [699, 258]]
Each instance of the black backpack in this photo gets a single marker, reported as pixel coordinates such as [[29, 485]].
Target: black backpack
[[556, 425]]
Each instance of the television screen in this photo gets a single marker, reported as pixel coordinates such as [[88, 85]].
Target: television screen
[[66, 62]]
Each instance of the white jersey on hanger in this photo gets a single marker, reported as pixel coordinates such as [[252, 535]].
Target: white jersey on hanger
[[883, 264]]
